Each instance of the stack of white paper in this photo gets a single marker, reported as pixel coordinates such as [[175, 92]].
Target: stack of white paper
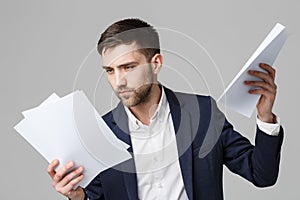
[[70, 128], [236, 95]]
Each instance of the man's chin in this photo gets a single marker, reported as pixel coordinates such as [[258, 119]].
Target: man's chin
[[125, 101], [129, 102]]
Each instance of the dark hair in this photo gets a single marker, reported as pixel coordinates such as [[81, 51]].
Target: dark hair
[[127, 31]]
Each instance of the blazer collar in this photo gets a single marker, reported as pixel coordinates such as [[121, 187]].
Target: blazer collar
[[120, 128]]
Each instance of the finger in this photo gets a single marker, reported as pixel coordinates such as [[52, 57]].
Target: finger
[[71, 176], [269, 69], [264, 76], [261, 92], [262, 84], [69, 187], [62, 172], [51, 168]]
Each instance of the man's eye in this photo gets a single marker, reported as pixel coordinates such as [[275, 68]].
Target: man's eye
[[109, 71], [129, 67]]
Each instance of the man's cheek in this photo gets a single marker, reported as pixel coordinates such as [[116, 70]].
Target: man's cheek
[[133, 79]]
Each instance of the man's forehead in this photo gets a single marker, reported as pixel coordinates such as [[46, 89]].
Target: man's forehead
[[119, 54]]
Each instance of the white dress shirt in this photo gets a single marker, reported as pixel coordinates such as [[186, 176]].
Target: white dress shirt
[[156, 156]]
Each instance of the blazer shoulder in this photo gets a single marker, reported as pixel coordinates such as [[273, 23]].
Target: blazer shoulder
[[202, 100]]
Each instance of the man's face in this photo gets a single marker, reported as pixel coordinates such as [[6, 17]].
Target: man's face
[[129, 74]]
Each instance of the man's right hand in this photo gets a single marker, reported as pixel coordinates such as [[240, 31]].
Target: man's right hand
[[64, 180]]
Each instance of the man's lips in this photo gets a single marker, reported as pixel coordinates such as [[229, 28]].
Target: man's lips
[[124, 92]]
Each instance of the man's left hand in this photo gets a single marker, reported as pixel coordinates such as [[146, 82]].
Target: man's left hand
[[267, 89]]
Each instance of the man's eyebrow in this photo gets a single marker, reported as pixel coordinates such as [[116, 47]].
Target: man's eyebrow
[[123, 65], [105, 67]]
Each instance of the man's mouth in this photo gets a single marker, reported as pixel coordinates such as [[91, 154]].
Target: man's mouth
[[124, 92]]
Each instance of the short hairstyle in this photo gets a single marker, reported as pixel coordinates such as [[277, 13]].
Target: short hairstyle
[[127, 31]]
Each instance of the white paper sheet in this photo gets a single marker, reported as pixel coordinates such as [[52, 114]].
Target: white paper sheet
[[69, 128], [53, 97], [236, 95]]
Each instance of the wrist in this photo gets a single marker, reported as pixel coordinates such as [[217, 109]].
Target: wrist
[[268, 118], [78, 194]]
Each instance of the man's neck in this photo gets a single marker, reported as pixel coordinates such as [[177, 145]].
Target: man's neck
[[144, 111]]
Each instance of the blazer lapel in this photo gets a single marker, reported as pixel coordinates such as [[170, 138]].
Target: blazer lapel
[[121, 130], [182, 126]]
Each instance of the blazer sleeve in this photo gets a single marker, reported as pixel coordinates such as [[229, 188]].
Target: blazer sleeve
[[257, 163], [94, 190]]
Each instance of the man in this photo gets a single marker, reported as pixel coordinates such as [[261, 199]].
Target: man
[[179, 142]]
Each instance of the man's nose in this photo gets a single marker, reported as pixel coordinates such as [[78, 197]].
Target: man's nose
[[120, 79]]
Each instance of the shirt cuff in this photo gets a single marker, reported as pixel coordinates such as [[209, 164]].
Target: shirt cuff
[[269, 128]]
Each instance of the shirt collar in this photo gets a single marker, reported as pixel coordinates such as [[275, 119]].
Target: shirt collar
[[160, 114]]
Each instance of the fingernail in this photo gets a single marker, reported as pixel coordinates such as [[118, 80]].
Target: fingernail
[[71, 163]]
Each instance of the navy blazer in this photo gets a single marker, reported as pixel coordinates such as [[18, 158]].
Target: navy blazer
[[206, 141]]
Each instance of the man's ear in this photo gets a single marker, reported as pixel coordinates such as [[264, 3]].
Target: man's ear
[[156, 62]]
